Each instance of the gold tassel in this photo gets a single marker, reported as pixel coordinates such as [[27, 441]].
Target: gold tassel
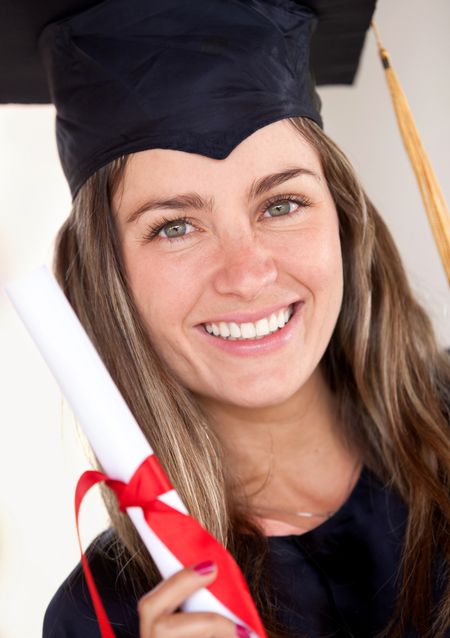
[[435, 206]]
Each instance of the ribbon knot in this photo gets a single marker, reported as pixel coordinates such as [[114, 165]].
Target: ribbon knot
[[147, 483], [186, 539]]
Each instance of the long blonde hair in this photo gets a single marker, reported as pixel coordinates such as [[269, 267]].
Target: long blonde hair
[[383, 363]]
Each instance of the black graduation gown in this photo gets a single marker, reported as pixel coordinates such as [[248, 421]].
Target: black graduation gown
[[339, 580]]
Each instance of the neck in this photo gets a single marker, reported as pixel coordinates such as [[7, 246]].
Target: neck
[[292, 454]]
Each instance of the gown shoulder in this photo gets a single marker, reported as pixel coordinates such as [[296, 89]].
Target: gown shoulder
[[70, 613]]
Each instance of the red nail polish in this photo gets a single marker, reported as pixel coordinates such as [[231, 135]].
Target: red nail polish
[[206, 567], [242, 632]]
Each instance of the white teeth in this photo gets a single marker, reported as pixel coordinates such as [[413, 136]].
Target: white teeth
[[262, 327], [273, 323], [224, 329], [280, 319], [250, 330], [235, 330]]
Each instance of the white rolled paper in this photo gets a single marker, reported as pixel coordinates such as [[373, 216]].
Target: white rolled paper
[[105, 418]]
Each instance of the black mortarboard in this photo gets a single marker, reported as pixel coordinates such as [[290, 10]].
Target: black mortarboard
[[192, 75]]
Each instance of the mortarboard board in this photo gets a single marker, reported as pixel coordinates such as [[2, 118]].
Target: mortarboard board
[[335, 48]]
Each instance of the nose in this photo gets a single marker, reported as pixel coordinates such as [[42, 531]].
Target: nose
[[244, 269]]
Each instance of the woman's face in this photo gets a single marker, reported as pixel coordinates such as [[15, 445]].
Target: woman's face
[[235, 246]]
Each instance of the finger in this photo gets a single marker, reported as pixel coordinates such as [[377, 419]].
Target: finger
[[166, 597], [193, 625]]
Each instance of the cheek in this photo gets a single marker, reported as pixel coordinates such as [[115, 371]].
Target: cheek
[[325, 267], [163, 291], [313, 256], [317, 266]]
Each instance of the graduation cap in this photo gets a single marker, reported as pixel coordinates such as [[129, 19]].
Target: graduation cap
[[197, 76], [127, 75]]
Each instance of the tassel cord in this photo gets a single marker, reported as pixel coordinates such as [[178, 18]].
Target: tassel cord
[[432, 196]]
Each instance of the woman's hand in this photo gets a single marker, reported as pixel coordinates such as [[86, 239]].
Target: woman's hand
[[156, 609]]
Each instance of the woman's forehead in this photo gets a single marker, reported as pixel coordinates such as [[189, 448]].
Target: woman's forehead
[[274, 149]]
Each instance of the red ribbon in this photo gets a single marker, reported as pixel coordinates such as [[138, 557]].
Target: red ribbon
[[188, 541]]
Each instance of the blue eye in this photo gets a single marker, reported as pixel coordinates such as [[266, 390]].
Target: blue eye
[[173, 229], [280, 205], [280, 208]]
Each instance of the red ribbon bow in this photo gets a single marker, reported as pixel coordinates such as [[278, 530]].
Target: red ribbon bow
[[188, 541]]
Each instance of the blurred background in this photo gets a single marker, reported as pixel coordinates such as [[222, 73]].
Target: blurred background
[[41, 455]]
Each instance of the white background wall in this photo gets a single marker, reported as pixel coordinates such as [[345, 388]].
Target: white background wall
[[40, 455]]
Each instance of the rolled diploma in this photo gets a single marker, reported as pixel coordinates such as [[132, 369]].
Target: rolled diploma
[[105, 418]]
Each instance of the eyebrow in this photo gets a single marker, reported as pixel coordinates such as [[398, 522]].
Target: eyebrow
[[194, 200]]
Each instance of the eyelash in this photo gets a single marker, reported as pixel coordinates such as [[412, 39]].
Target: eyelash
[[153, 230]]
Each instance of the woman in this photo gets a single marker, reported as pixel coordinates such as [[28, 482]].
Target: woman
[[341, 414]]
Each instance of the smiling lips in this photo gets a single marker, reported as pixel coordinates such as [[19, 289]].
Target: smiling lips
[[232, 331]]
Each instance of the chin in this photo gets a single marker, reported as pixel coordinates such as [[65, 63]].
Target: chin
[[260, 397]]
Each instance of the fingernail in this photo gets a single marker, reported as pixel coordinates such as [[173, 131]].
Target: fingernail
[[242, 632], [206, 567]]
